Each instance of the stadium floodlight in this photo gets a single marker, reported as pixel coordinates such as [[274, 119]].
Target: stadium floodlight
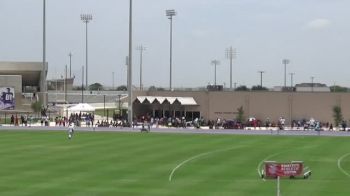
[[82, 84], [261, 76], [113, 80], [285, 62], [215, 63], [86, 18], [291, 79], [129, 62], [230, 54], [43, 85], [141, 48], [70, 64], [170, 14]]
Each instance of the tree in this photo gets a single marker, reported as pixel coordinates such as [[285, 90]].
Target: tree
[[337, 115], [259, 88], [242, 88], [122, 88], [152, 88], [240, 114], [96, 87], [36, 106], [78, 88], [337, 88]]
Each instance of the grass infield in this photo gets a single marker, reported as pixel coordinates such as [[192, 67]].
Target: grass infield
[[104, 163]]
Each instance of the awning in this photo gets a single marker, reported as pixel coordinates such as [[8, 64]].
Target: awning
[[182, 100]]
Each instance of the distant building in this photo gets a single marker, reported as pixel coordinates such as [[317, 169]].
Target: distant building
[[282, 88], [312, 87], [59, 84], [215, 87], [26, 80]]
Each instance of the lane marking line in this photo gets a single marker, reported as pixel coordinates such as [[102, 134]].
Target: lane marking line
[[198, 156], [339, 164], [262, 161]]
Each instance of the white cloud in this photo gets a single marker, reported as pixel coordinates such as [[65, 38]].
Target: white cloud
[[319, 23]]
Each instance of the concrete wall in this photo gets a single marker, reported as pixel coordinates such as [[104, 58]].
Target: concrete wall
[[30, 71], [14, 81], [262, 105]]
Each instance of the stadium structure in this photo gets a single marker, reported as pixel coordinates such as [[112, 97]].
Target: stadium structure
[[25, 79]]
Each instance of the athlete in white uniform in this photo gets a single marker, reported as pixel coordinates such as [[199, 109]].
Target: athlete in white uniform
[[70, 130]]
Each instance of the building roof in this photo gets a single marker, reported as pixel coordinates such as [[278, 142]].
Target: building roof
[[30, 71], [171, 100]]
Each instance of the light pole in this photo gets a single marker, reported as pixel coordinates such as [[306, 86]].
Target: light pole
[[70, 64], [65, 85], [104, 105], [261, 76], [291, 79], [43, 87], [312, 84], [86, 18], [120, 114], [130, 112], [141, 49], [215, 63], [82, 84], [113, 80], [230, 54], [170, 14], [285, 62]]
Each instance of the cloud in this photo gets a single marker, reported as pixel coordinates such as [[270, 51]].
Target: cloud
[[319, 23]]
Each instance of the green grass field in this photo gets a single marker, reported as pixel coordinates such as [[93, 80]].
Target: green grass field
[[47, 163]]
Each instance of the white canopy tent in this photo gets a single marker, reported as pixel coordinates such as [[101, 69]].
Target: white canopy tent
[[81, 107]]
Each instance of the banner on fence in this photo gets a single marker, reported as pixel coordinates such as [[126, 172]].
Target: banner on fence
[[7, 98]]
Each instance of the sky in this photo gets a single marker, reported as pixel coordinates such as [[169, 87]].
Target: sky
[[313, 34]]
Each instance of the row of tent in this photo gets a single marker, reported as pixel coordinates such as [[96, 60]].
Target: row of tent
[[170, 100]]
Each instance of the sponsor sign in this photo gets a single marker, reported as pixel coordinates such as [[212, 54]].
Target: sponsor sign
[[273, 169], [7, 98]]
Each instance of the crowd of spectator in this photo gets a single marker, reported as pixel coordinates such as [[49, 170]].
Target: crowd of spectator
[[148, 121]]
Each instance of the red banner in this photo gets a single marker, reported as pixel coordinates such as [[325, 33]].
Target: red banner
[[273, 169]]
